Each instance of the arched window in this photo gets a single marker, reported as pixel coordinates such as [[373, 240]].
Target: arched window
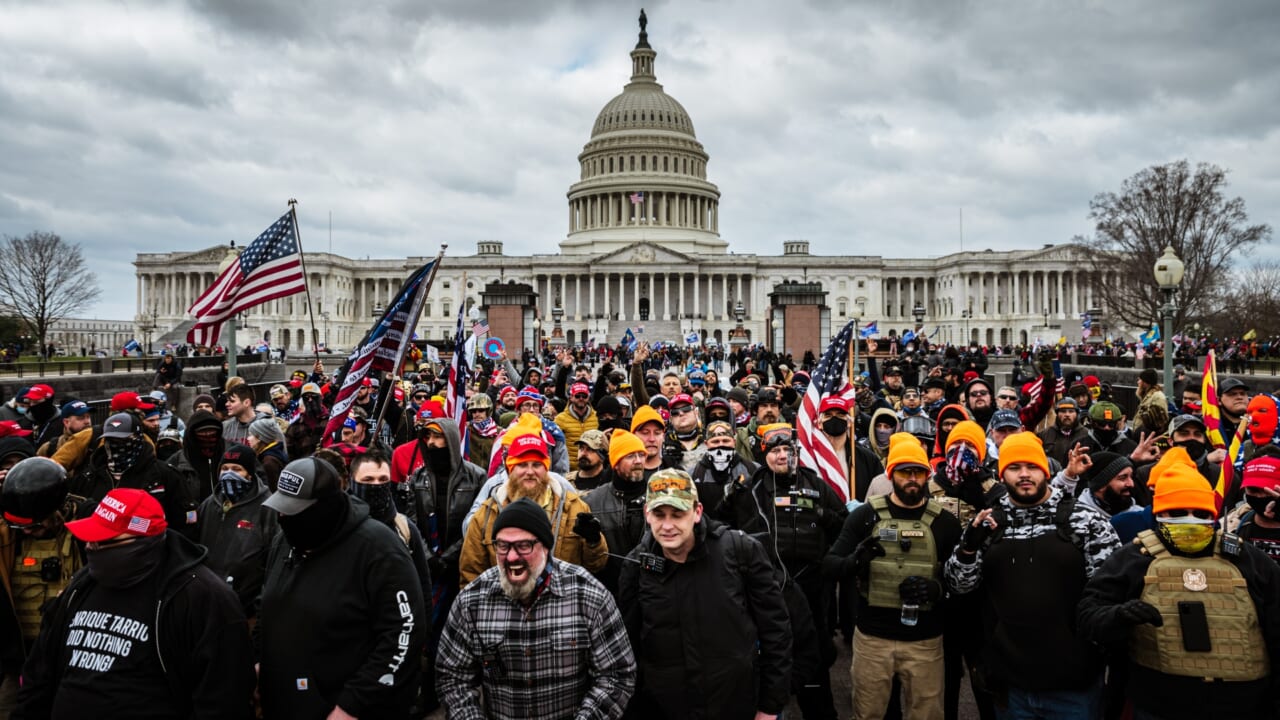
[[664, 163], [642, 159]]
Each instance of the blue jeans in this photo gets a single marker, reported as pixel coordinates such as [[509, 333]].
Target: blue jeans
[[1084, 704]]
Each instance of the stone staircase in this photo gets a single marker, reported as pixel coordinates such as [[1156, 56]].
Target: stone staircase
[[667, 331]]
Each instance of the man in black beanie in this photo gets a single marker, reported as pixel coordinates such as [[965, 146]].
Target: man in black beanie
[[531, 601], [1107, 477]]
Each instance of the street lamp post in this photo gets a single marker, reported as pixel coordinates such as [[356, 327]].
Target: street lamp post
[[966, 314], [1168, 272], [918, 313], [325, 315]]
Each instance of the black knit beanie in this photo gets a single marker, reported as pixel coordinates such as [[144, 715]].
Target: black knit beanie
[[1106, 465], [527, 515]]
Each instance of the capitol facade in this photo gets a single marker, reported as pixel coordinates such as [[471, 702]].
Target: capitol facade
[[643, 249]]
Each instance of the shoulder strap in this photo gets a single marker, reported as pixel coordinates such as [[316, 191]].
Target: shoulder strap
[[1151, 544], [932, 509]]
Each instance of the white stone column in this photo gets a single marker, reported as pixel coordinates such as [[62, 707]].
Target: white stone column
[[1014, 306], [577, 298], [682, 310], [608, 306], [591, 297], [697, 291]]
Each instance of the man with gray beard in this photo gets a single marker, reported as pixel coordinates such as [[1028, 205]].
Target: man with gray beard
[[534, 636]]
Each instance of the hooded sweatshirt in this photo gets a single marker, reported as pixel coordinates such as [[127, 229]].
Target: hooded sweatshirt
[[888, 414], [955, 411], [199, 473]]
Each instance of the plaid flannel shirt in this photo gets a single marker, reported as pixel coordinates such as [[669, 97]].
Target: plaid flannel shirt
[[565, 656]]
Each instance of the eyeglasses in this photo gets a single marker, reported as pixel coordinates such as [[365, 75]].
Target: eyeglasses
[[581, 396], [522, 547], [420, 396], [1198, 514], [479, 411], [978, 393], [682, 410], [1007, 397]]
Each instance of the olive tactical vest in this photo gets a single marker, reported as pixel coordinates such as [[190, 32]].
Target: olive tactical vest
[[1238, 652], [909, 550], [30, 589]]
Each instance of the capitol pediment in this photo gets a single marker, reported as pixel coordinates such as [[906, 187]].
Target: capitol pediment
[[644, 253], [1067, 252], [214, 254]]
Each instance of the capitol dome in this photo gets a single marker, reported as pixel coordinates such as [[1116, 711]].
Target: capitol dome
[[643, 173]]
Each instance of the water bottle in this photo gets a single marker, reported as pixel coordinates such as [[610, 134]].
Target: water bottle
[[910, 614]]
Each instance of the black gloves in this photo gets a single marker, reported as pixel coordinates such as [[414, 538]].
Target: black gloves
[[975, 536], [1044, 364], [869, 549], [917, 590], [587, 527], [1139, 612], [673, 455]]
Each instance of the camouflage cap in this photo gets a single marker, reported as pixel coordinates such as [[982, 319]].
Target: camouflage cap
[[1105, 412], [671, 487], [596, 440]]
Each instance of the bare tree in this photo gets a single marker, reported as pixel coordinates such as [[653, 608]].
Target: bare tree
[[44, 280], [1250, 302], [1168, 205]]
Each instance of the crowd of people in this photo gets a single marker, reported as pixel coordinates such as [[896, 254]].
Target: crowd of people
[[630, 533]]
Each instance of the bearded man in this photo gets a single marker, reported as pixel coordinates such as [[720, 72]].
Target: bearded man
[[528, 463], [532, 602]]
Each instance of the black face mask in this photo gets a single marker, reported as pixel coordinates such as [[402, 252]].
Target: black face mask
[[310, 528], [835, 426], [312, 404], [235, 486], [1195, 448], [611, 423], [440, 460], [1259, 504], [1106, 437], [382, 506], [126, 565]]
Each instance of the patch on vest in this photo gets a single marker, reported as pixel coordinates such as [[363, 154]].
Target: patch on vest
[[912, 533], [1194, 580]]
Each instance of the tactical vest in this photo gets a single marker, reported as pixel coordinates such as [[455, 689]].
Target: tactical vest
[[909, 550], [963, 511], [1238, 652], [54, 558]]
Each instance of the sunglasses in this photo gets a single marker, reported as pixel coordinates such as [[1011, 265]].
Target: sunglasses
[[682, 410], [581, 396], [1007, 397], [420, 396], [978, 393]]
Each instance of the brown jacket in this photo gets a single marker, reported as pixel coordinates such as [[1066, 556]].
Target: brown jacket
[[562, 506]]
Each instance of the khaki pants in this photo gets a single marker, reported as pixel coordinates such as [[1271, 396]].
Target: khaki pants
[[918, 664]]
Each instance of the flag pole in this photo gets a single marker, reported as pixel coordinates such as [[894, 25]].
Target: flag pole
[[410, 325], [302, 257]]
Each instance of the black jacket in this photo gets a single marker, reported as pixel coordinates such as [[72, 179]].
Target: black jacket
[[238, 537], [695, 628], [622, 521], [464, 481], [200, 632], [348, 618], [800, 511], [163, 482]]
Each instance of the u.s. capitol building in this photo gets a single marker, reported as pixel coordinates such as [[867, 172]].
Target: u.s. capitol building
[[643, 248]]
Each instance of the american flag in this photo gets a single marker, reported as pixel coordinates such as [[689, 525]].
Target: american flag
[[480, 327], [830, 378], [637, 198], [270, 268], [138, 525], [377, 352]]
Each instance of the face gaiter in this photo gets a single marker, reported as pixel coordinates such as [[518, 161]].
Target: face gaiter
[[312, 527], [126, 565]]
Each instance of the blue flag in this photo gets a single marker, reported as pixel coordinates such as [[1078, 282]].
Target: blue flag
[[1151, 335], [869, 330], [131, 346], [693, 338], [908, 336], [629, 340]]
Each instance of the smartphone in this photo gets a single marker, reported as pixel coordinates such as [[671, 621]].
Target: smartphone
[[1195, 626]]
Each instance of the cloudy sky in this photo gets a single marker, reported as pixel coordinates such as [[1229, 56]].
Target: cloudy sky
[[131, 126]]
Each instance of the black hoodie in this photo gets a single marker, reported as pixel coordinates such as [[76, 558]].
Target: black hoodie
[[199, 473], [343, 624], [200, 635]]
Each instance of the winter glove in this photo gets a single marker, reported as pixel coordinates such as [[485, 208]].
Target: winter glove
[[587, 527], [918, 590], [975, 536], [672, 455], [1139, 612], [869, 549]]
